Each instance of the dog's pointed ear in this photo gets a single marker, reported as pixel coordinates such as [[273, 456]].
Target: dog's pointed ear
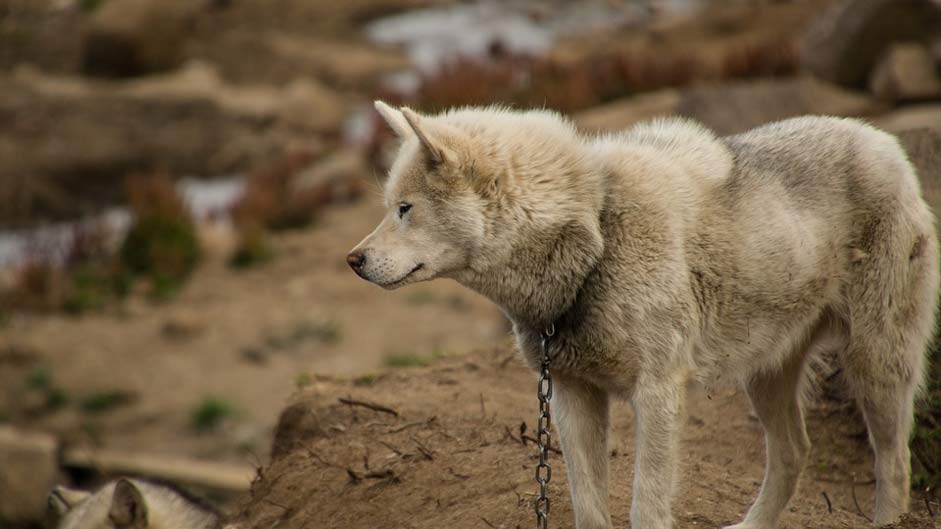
[[63, 499], [128, 509], [394, 118], [428, 141]]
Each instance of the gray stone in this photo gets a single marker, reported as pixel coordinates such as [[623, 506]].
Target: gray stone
[[625, 112], [906, 72], [926, 115], [924, 150], [29, 468], [843, 44], [133, 37], [735, 107]]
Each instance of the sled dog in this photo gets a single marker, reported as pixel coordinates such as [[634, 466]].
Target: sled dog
[[664, 254], [129, 504]]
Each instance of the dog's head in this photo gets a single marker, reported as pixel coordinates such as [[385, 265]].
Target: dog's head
[[120, 505], [434, 220]]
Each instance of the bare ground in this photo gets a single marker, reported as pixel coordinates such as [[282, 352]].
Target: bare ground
[[246, 338], [453, 457]]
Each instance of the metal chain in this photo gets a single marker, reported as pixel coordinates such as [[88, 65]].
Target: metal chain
[[543, 433]]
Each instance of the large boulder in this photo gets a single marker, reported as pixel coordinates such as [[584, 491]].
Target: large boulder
[[730, 108], [133, 37], [735, 107], [924, 150], [625, 112], [66, 146], [29, 468], [843, 45], [926, 115], [906, 72]]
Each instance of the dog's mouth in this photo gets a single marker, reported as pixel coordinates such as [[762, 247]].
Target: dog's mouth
[[399, 281]]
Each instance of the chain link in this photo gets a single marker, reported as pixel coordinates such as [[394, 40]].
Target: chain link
[[544, 433]]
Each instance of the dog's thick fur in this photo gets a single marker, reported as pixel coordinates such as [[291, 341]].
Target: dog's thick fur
[[665, 253], [129, 504]]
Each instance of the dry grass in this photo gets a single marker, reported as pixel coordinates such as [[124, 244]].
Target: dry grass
[[269, 202]]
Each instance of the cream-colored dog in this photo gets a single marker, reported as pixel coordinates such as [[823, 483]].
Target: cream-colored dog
[[665, 253]]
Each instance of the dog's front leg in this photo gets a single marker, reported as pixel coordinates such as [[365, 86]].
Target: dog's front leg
[[582, 416], [659, 408]]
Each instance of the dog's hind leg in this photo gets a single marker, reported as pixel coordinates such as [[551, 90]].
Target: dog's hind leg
[[893, 302], [582, 416], [776, 399]]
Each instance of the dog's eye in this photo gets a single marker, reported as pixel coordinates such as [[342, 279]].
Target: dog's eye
[[403, 209]]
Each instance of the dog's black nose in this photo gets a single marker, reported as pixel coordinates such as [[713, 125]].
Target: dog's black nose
[[356, 260]]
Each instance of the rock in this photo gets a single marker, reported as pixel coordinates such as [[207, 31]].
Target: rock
[[67, 144], [29, 468], [298, 424], [625, 112], [924, 150], [339, 177], [906, 72], [843, 44], [911, 117], [133, 37], [183, 325], [304, 103], [308, 103], [735, 107]]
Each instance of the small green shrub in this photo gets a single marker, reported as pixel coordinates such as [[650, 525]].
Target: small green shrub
[[162, 244], [40, 380], [366, 380], [327, 332], [303, 380], [90, 289], [89, 6], [210, 412], [404, 360], [106, 400], [253, 249]]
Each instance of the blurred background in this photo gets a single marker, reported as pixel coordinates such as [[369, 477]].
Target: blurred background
[[180, 181]]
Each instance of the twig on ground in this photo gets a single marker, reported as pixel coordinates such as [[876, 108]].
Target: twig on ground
[[458, 476], [412, 424], [369, 405], [390, 447], [486, 521], [321, 460], [856, 501], [355, 477], [508, 433], [429, 455], [829, 505], [276, 504], [550, 447]]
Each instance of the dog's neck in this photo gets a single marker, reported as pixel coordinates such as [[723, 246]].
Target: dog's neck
[[535, 272], [542, 277]]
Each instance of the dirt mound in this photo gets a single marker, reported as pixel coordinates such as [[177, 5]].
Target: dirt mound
[[441, 447]]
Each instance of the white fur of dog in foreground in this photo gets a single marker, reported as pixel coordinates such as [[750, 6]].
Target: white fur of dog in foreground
[[130, 504], [664, 254]]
